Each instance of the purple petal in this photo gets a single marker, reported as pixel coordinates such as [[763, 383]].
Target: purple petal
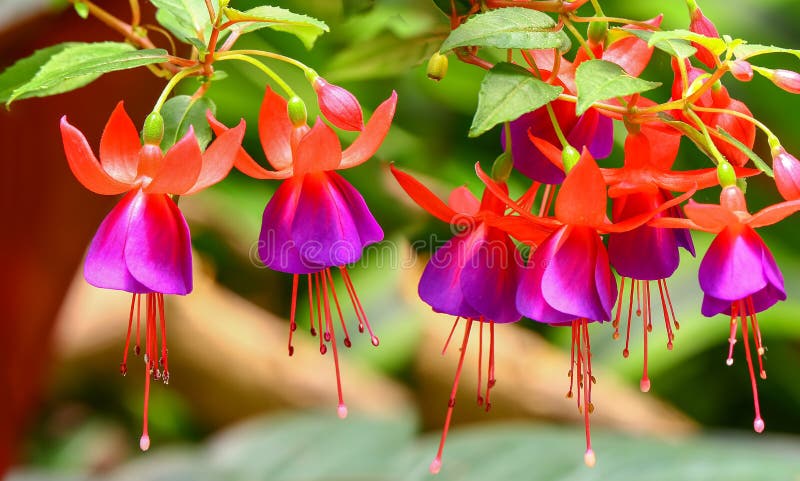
[[644, 253], [713, 306], [594, 131], [440, 284], [568, 283], [530, 299], [105, 261], [527, 158], [603, 139], [490, 275], [369, 231], [158, 251], [732, 268], [276, 248], [605, 282]]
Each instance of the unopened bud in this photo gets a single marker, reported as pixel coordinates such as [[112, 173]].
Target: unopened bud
[[502, 167], [297, 111], [787, 173], [787, 80], [726, 175], [742, 70], [570, 157], [597, 32], [153, 130], [437, 66], [700, 24], [338, 105]]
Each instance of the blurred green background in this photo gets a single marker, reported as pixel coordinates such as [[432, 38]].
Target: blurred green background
[[694, 424]]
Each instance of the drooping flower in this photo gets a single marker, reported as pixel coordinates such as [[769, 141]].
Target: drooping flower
[[143, 246], [568, 281], [787, 173], [316, 220], [473, 277], [738, 275]]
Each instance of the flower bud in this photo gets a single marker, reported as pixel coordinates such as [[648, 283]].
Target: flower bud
[[502, 167], [153, 130], [726, 175], [787, 173], [787, 80], [437, 66], [700, 24], [597, 32], [297, 111], [338, 105], [570, 157], [742, 70]]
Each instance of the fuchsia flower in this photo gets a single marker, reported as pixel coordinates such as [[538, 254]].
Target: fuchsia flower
[[701, 24], [473, 276], [338, 105], [316, 220], [568, 281], [143, 245], [738, 274], [787, 173]]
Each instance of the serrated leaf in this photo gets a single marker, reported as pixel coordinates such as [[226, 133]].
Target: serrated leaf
[[512, 27], [24, 69], [746, 50], [508, 91], [674, 47], [714, 44], [304, 27], [185, 18], [600, 80], [182, 112], [757, 161], [78, 64]]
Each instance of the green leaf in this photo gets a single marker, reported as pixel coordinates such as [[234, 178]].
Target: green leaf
[[512, 27], [82, 10], [368, 60], [672, 46], [716, 45], [600, 80], [305, 28], [185, 18], [80, 63], [747, 50], [24, 69], [758, 161], [508, 91], [182, 112]]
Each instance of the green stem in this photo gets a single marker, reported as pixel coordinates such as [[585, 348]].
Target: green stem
[[268, 71], [597, 8], [556, 126], [575, 33], [171, 85], [259, 53], [720, 159], [771, 136]]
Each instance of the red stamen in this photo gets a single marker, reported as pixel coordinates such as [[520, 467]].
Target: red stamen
[[136, 348], [667, 324], [311, 307], [626, 352], [758, 422], [671, 309], [342, 409], [757, 336], [164, 360], [346, 276], [580, 337], [123, 366], [544, 206], [436, 465], [346, 340], [324, 335], [449, 337], [732, 338], [480, 361], [491, 381], [644, 384], [638, 298], [615, 323], [292, 322], [144, 440]]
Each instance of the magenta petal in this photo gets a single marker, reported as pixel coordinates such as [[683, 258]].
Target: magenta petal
[[732, 268], [645, 253], [568, 283], [530, 300], [105, 260], [440, 285], [315, 221], [158, 251], [594, 131], [490, 275], [529, 160]]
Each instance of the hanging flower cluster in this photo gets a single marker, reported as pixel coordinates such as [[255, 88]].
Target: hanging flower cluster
[[585, 243], [550, 253]]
